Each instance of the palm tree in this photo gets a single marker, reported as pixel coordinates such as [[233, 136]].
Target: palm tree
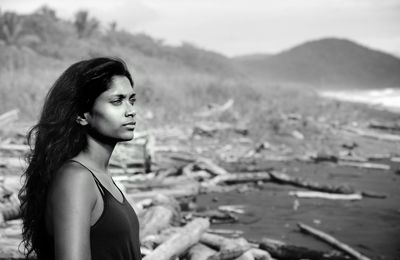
[[12, 30], [85, 26]]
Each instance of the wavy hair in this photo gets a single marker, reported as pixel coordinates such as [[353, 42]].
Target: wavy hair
[[57, 137]]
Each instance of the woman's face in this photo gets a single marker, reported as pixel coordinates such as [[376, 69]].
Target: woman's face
[[113, 113]]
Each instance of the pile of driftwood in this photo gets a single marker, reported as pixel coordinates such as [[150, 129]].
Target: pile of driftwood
[[170, 231], [172, 226]]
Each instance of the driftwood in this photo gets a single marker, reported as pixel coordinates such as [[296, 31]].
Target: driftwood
[[10, 213], [375, 135], [8, 117], [332, 241], [365, 165], [228, 248], [12, 162], [200, 252], [241, 178], [391, 126], [15, 147], [180, 241], [324, 195], [225, 232], [208, 165], [299, 182], [283, 251], [217, 216], [155, 219], [188, 190], [167, 182]]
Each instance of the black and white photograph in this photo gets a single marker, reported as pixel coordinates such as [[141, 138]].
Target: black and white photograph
[[200, 130]]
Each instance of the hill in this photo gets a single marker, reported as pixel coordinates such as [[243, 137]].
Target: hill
[[36, 48], [331, 61]]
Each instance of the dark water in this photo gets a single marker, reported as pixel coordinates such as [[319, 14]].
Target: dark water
[[371, 226]]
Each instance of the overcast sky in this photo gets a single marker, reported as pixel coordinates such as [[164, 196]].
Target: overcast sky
[[236, 27]]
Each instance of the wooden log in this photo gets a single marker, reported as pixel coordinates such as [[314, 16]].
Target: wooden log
[[395, 159], [152, 241], [246, 256], [8, 117], [332, 241], [208, 165], [214, 241], [188, 190], [375, 135], [325, 195], [283, 251], [260, 254], [365, 165], [200, 252], [155, 219], [226, 232], [299, 182], [12, 162], [238, 209], [232, 249], [372, 194], [241, 178], [217, 216], [10, 213], [181, 241], [15, 147], [167, 182], [391, 126]]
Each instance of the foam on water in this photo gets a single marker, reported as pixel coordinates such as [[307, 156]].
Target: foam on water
[[388, 98]]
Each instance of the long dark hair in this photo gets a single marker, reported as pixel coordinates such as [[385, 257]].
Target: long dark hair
[[58, 137]]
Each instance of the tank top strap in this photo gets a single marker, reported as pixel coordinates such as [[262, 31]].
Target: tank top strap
[[98, 183]]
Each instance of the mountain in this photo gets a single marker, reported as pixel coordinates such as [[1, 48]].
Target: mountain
[[324, 62]]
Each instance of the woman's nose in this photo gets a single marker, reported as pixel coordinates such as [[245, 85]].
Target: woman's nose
[[130, 110]]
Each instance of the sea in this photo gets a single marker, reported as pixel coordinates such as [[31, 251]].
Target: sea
[[386, 99]]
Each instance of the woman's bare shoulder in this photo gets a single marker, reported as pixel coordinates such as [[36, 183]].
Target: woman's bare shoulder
[[72, 180]]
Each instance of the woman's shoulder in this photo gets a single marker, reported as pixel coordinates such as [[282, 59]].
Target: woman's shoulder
[[72, 180]]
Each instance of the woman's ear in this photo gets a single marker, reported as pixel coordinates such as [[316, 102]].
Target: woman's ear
[[82, 120]]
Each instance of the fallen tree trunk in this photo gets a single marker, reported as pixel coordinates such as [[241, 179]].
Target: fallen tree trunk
[[241, 178], [179, 242], [365, 165], [376, 135], [155, 219], [200, 252], [391, 126], [332, 241], [324, 195], [286, 179], [283, 251], [10, 213], [188, 190]]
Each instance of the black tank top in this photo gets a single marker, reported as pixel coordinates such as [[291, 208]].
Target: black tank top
[[115, 235]]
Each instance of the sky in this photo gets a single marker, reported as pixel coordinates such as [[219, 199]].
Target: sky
[[241, 27]]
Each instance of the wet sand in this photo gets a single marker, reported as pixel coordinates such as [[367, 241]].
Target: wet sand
[[371, 226]]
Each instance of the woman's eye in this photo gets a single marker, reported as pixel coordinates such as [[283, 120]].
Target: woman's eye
[[116, 102], [132, 100]]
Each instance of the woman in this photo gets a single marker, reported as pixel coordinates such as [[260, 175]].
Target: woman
[[71, 208]]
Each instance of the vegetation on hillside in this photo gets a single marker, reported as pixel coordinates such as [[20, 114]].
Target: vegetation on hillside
[[36, 48]]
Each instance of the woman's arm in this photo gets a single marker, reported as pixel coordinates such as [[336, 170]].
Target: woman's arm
[[72, 199]]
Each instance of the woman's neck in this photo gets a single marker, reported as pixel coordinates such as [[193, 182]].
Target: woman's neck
[[97, 154]]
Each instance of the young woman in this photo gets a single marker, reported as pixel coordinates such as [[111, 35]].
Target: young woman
[[71, 208]]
